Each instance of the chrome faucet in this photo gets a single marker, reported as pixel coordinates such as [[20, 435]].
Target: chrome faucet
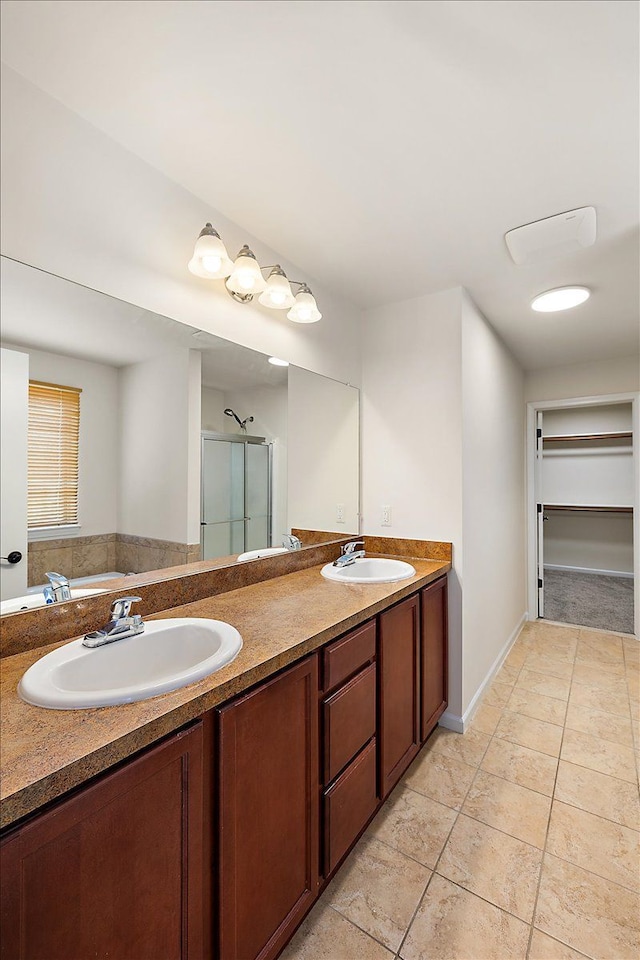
[[291, 542], [349, 553], [121, 625], [58, 588]]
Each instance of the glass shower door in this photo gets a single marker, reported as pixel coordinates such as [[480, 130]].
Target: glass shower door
[[223, 516], [258, 497]]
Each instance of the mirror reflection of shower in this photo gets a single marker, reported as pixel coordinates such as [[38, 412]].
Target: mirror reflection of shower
[[241, 423]]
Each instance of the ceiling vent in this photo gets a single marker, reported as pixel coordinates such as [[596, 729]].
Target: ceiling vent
[[552, 237]]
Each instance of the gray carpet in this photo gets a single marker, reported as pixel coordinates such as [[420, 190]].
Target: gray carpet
[[589, 599]]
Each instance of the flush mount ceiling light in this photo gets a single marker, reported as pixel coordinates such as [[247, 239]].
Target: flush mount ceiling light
[[278, 363], [560, 298], [244, 279]]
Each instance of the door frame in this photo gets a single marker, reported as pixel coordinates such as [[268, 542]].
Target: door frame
[[535, 406]]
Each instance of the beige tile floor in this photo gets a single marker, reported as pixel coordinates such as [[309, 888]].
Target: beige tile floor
[[518, 839]]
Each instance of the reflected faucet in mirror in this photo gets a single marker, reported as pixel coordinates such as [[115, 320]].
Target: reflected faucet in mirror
[[58, 588]]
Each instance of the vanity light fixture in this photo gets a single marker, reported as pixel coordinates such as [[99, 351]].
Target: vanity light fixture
[[560, 298], [244, 278], [278, 363]]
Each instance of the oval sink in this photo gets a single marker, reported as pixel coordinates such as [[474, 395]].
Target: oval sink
[[169, 654], [369, 570]]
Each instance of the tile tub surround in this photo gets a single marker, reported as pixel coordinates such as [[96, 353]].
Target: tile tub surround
[[47, 752], [545, 871], [86, 556], [73, 556]]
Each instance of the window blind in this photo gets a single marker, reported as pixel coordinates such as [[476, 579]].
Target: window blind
[[54, 433]]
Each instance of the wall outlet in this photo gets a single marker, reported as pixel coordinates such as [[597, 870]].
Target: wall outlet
[[339, 512], [386, 515]]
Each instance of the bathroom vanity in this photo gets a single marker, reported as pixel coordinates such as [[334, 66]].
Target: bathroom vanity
[[222, 809]]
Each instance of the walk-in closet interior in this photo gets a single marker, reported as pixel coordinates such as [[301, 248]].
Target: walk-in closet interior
[[585, 515]]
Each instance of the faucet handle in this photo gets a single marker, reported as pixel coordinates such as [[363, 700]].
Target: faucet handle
[[291, 542], [351, 547], [57, 578], [121, 607]]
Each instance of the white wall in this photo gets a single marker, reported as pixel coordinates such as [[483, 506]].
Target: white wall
[[79, 205], [323, 431], [592, 541], [493, 490], [412, 435], [99, 445], [269, 408], [603, 418], [14, 412], [583, 380], [160, 448], [213, 410]]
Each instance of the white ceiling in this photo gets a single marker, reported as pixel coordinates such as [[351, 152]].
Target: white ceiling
[[44, 312], [384, 147]]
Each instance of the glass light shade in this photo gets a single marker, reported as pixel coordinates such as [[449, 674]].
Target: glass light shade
[[561, 298], [278, 294], [210, 258], [246, 276], [305, 308]]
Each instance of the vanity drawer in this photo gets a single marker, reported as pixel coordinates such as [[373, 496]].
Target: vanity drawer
[[349, 721], [348, 805], [345, 656]]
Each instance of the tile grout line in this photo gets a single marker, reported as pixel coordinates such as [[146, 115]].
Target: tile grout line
[[435, 866], [546, 838]]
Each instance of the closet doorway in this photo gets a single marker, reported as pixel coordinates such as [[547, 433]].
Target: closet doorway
[[584, 512]]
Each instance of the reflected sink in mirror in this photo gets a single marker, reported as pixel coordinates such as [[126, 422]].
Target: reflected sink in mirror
[[256, 554], [169, 654], [32, 600], [369, 570]]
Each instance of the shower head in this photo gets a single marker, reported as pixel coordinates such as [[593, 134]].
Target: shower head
[[241, 423]]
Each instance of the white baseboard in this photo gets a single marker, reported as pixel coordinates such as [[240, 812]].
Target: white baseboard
[[602, 573], [459, 724]]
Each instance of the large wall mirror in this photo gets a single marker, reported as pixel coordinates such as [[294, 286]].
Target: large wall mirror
[[132, 443]]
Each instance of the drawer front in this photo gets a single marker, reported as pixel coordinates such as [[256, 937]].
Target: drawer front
[[344, 657], [348, 805], [349, 721]]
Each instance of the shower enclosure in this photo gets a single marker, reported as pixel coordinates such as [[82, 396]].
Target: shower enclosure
[[236, 494]]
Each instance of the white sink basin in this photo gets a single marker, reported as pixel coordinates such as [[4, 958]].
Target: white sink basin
[[262, 552], [168, 655], [369, 570], [33, 600]]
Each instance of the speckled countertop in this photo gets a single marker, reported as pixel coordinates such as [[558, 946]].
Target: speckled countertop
[[44, 753]]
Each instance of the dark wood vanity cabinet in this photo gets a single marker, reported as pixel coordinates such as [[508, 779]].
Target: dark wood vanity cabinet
[[433, 655], [399, 665], [217, 841], [115, 871], [268, 796]]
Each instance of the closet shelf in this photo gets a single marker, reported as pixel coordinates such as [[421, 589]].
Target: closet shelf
[[582, 508], [559, 438]]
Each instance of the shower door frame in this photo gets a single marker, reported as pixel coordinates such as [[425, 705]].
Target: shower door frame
[[539, 406], [246, 440]]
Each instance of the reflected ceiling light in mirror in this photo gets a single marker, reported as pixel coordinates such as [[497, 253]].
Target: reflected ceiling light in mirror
[[245, 280], [210, 258], [278, 363], [560, 298], [305, 308], [278, 294]]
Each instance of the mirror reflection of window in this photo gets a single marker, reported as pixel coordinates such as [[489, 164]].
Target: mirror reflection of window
[[53, 455]]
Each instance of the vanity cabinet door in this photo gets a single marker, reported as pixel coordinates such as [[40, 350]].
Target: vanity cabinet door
[[399, 669], [116, 870], [268, 778], [434, 655]]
